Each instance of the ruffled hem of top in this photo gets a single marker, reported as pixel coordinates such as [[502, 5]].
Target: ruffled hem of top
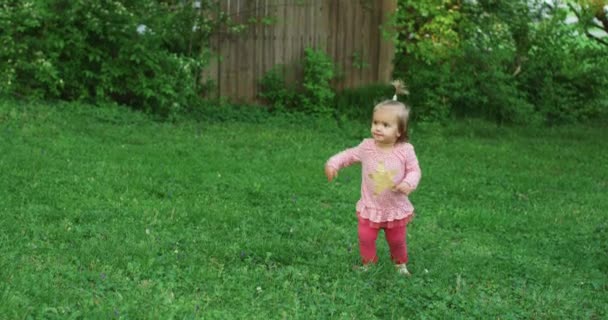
[[374, 219]]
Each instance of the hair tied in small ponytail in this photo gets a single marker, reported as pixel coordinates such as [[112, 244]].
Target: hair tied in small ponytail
[[400, 88]]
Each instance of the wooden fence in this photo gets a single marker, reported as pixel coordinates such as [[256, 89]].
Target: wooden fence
[[278, 31]]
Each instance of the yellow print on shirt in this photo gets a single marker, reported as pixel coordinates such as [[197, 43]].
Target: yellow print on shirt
[[383, 179]]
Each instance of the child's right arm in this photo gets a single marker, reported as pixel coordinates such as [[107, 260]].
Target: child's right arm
[[341, 160], [330, 173]]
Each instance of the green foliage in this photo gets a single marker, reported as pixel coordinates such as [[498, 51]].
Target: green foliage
[[276, 91], [319, 70], [565, 74], [107, 213], [357, 103], [497, 60], [221, 110], [592, 18], [146, 54], [430, 104], [316, 95], [427, 30]]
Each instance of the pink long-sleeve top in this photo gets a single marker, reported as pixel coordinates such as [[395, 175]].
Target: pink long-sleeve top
[[381, 170]]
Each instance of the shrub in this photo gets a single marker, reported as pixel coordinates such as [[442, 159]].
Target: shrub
[[498, 61], [318, 72], [316, 95], [123, 51], [566, 75], [276, 92], [357, 103]]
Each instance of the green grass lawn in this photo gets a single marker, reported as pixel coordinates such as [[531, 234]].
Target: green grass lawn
[[108, 214]]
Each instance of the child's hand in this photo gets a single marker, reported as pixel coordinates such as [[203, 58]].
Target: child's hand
[[404, 188], [330, 173]]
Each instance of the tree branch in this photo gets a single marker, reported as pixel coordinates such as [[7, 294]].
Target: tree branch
[[600, 40], [587, 33], [603, 18], [576, 13]]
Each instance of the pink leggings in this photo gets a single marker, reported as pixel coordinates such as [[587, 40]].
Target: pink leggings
[[396, 238]]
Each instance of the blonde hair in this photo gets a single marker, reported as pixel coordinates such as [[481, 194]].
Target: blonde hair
[[403, 115]]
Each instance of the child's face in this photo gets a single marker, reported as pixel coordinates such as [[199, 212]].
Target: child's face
[[385, 128]]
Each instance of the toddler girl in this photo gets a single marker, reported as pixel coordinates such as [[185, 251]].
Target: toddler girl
[[390, 172]]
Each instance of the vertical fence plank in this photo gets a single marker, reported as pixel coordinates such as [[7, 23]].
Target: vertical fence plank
[[324, 25], [231, 79], [354, 29], [302, 29], [375, 34], [280, 46], [343, 42], [251, 65], [366, 45], [258, 43], [347, 20], [340, 41], [332, 23], [270, 30], [211, 72], [312, 30], [348, 30], [387, 48]]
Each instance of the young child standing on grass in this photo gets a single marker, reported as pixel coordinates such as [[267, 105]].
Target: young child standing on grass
[[390, 172]]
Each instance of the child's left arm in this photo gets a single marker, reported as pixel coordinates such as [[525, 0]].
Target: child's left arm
[[412, 172]]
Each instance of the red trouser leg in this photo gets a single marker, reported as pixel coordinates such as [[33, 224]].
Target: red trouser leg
[[396, 238], [367, 242]]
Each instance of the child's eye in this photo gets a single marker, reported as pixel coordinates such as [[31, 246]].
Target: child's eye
[[386, 125]]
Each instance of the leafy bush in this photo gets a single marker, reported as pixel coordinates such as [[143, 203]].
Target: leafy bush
[[316, 95], [566, 75], [498, 60], [357, 103], [485, 82], [123, 51], [276, 91], [318, 72]]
